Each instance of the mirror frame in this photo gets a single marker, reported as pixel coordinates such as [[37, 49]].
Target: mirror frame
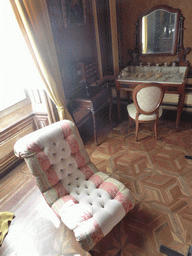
[[177, 33]]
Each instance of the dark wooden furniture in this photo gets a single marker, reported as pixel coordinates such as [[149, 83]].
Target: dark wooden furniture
[[96, 100], [159, 32], [94, 93], [87, 71], [174, 85]]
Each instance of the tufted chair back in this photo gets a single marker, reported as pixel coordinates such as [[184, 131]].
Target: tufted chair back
[[89, 202]]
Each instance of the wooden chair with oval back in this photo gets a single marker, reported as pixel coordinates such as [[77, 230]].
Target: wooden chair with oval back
[[146, 106]]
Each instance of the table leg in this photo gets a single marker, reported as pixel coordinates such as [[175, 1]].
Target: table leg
[[118, 100], [119, 105], [180, 106], [110, 109], [94, 126]]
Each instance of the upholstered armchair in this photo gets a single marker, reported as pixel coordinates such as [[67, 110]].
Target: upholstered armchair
[[88, 201]]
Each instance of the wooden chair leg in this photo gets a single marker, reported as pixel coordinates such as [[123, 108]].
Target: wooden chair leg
[[130, 121], [137, 131], [129, 125], [155, 129]]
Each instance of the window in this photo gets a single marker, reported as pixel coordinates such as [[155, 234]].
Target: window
[[18, 68]]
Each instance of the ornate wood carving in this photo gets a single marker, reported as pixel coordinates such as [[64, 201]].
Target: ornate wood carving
[[181, 51]]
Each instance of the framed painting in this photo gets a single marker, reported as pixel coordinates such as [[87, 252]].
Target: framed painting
[[73, 12]]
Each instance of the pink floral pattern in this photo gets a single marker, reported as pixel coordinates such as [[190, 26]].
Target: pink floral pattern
[[125, 201], [34, 147], [60, 190], [97, 233], [73, 143], [86, 170], [90, 236], [111, 188], [52, 176], [67, 129], [68, 198], [86, 215], [96, 179], [43, 160], [80, 159]]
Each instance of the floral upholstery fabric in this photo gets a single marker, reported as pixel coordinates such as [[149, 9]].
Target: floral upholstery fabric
[[88, 201]]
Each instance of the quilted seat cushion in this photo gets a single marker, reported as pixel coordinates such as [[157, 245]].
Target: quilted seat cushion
[[94, 207]]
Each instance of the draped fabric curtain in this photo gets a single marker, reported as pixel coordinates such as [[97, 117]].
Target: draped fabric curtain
[[33, 19]]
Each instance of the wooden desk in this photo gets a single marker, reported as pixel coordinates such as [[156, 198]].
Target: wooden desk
[[174, 83]]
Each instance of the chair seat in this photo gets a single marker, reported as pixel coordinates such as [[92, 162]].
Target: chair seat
[[132, 113], [93, 207]]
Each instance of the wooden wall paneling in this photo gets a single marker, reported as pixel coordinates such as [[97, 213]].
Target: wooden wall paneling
[[14, 132], [114, 36], [97, 39], [9, 136], [103, 18], [72, 43], [107, 23], [120, 33], [41, 120]]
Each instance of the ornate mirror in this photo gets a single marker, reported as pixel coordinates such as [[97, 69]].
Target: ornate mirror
[[159, 31]]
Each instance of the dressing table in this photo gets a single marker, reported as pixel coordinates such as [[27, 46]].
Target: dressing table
[[159, 33], [173, 79]]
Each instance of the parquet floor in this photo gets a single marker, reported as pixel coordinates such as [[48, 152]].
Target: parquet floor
[[161, 179], [156, 171]]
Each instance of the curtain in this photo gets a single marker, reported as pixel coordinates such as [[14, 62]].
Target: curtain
[[33, 19]]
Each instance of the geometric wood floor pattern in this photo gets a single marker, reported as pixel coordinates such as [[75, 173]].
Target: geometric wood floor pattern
[[158, 174], [161, 179]]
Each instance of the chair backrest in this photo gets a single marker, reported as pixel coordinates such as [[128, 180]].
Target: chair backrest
[[148, 98], [55, 155]]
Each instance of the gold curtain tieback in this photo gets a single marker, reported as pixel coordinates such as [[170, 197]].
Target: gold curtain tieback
[[61, 108]]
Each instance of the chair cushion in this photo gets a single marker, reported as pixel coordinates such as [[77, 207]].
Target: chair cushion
[[93, 207], [132, 113]]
